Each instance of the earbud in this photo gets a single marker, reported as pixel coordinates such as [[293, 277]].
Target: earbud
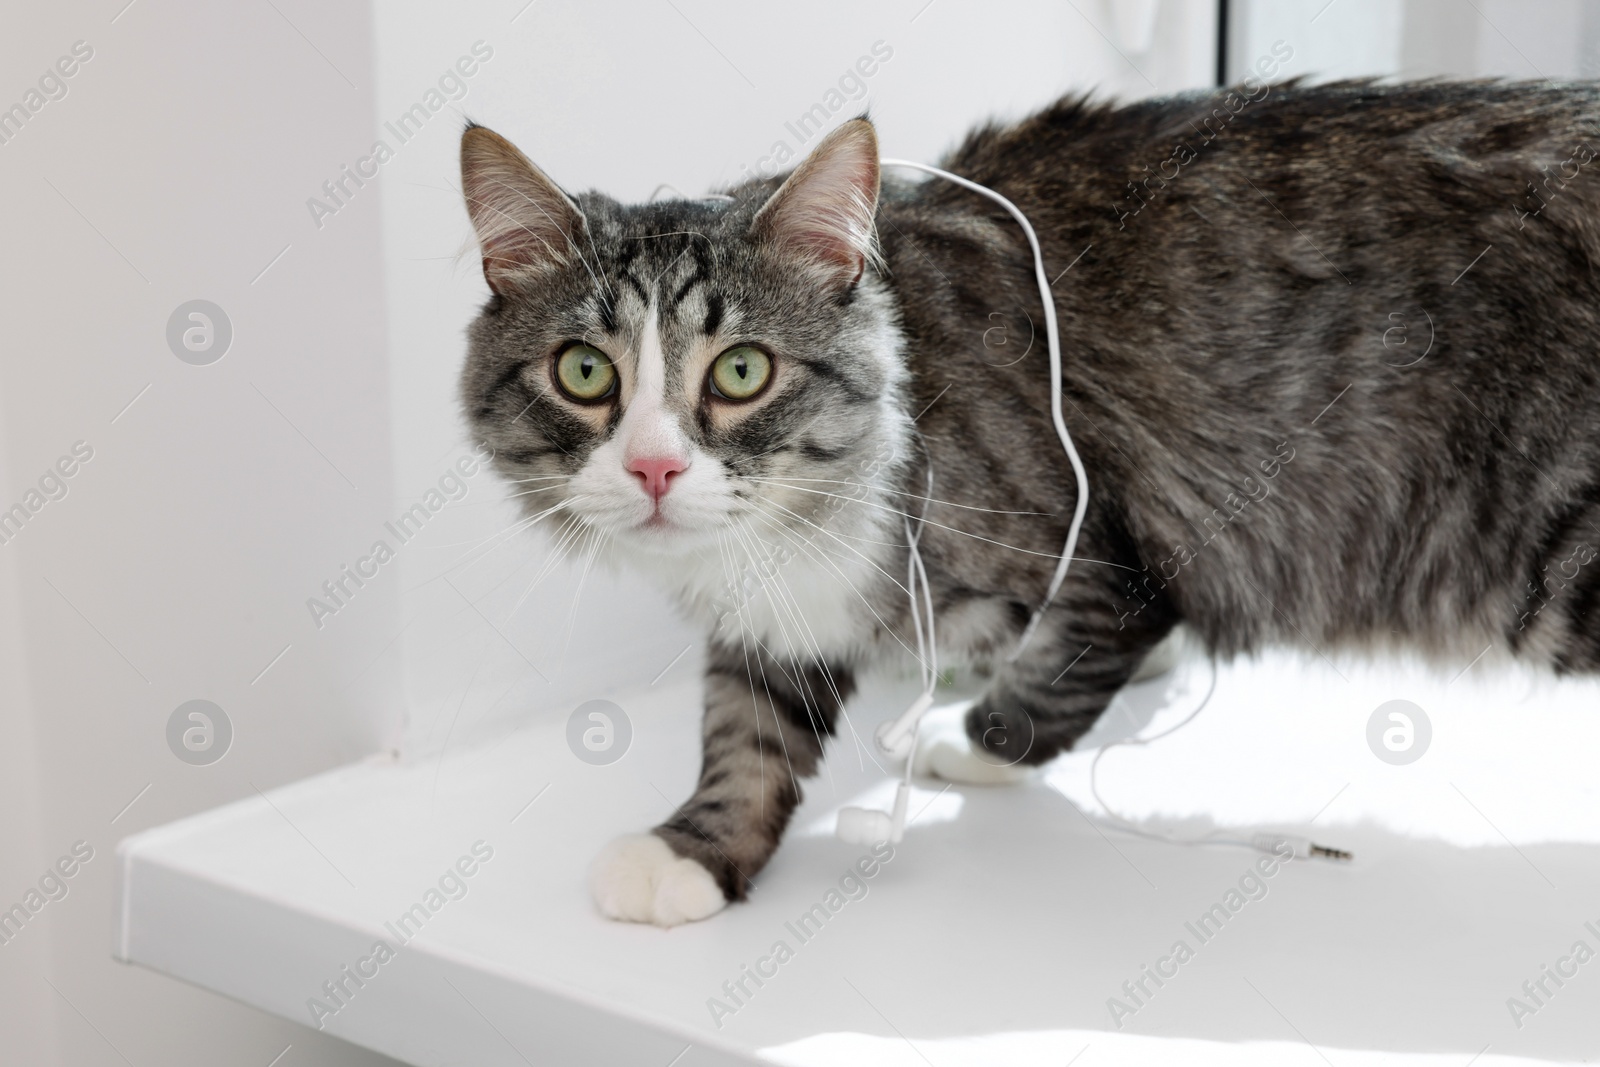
[[864, 826], [899, 737]]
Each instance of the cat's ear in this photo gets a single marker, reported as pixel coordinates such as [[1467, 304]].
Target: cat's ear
[[525, 223], [823, 213]]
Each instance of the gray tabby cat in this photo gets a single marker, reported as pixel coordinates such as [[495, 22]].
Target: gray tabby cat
[[1330, 360]]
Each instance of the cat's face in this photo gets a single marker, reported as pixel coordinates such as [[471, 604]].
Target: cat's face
[[685, 372]]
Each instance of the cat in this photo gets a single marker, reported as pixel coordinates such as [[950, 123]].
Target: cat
[[1330, 361]]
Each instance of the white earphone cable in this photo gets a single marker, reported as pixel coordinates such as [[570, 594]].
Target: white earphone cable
[[1053, 344], [1266, 841], [902, 733], [898, 738], [1115, 820]]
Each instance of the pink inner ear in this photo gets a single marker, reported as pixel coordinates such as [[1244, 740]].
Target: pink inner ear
[[514, 220], [831, 223], [523, 221], [825, 210]]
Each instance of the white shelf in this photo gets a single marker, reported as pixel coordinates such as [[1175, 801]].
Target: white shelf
[[997, 933]]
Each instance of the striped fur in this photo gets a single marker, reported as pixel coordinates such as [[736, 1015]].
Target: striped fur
[[1270, 461]]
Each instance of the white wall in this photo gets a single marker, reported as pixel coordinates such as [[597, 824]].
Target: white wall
[[179, 564], [1552, 39]]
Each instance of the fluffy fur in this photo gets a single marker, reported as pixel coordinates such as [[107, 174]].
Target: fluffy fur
[[1329, 359]]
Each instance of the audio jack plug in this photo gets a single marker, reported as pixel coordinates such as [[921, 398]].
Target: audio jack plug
[[1302, 848]]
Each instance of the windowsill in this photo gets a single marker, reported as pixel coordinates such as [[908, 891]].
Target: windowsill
[[998, 932]]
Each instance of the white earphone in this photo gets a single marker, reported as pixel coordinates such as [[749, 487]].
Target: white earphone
[[897, 739], [866, 826]]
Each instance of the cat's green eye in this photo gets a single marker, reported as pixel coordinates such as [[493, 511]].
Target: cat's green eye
[[739, 373], [585, 373]]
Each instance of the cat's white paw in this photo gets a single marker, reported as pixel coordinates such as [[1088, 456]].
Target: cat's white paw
[[638, 878], [945, 751]]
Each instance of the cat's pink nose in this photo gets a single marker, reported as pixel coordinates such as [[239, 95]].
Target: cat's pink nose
[[655, 473]]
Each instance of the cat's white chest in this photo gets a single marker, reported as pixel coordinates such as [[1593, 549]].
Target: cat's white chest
[[806, 602], [822, 607]]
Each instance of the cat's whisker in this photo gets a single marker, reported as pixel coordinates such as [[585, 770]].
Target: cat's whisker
[[598, 537], [797, 678], [606, 292], [554, 541], [837, 535], [951, 529], [786, 601], [842, 539], [466, 561], [817, 554], [475, 542], [485, 504], [748, 636], [505, 536], [745, 636], [781, 483], [724, 552], [815, 649], [803, 546], [859, 500], [820, 661], [531, 492], [582, 547], [898, 492], [566, 538], [539, 478]]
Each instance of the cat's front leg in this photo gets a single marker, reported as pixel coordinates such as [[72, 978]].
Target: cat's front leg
[[765, 723]]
